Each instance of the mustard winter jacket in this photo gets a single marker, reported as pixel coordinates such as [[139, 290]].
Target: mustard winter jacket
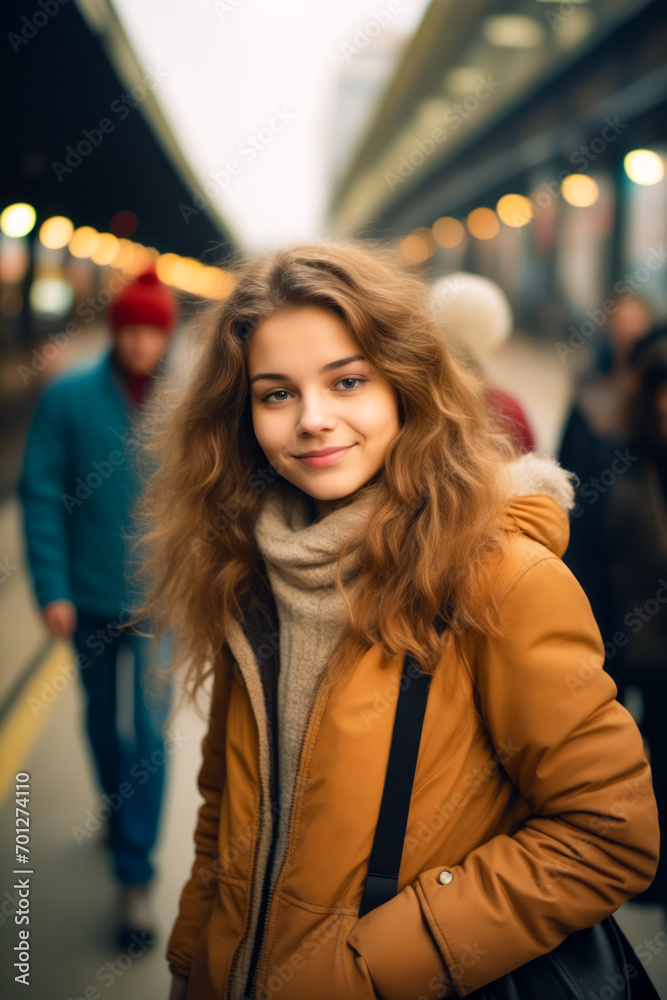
[[537, 823]]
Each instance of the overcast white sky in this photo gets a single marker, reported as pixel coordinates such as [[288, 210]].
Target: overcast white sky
[[231, 65]]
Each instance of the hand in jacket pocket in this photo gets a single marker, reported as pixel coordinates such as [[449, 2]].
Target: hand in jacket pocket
[[396, 944]]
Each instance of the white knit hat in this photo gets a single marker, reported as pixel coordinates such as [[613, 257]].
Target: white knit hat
[[472, 312]]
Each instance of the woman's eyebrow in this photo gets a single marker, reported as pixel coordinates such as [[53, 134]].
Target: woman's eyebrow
[[277, 377]]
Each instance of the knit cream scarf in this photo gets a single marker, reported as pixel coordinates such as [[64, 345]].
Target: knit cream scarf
[[300, 556]]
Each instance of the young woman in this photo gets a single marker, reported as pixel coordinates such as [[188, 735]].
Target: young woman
[[328, 482]]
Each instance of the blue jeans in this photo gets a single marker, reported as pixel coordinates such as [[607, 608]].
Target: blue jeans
[[130, 766]]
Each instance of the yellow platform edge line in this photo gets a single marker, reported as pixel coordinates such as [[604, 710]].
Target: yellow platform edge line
[[24, 723]]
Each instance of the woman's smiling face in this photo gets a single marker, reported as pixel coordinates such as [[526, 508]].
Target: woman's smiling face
[[312, 391]]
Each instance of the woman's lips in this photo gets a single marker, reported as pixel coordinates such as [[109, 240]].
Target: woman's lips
[[320, 461]]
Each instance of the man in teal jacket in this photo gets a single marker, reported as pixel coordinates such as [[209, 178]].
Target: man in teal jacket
[[77, 486]]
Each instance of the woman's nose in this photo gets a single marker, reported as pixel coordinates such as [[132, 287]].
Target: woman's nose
[[315, 414]]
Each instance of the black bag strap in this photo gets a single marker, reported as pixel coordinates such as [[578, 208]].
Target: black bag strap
[[638, 983], [385, 858]]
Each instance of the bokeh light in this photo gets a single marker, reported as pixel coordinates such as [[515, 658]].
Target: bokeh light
[[17, 219], [580, 190], [643, 166], [514, 210], [483, 223], [56, 232], [448, 232], [83, 241]]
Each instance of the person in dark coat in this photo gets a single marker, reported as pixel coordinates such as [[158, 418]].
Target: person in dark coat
[[633, 530], [592, 437]]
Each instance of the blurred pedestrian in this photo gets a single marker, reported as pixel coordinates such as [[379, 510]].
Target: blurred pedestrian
[[77, 487], [633, 527], [599, 404], [594, 429], [475, 316]]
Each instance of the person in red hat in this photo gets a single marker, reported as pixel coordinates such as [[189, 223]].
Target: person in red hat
[[77, 487], [142, 318]]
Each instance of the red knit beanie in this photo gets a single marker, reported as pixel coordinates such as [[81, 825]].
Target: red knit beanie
[[146, 300]]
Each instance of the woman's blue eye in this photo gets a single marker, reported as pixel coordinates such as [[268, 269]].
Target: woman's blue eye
[[352, 378], [349, 378]]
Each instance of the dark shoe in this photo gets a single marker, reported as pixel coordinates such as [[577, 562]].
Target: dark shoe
[[136, 926], [134, 942]]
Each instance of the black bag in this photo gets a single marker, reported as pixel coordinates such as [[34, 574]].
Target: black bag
[[588, 962]]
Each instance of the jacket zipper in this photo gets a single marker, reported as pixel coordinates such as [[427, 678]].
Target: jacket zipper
[[263, 910], [247, 924], [236, 955], [251, 993]]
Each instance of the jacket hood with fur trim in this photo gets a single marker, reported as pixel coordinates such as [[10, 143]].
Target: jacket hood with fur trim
[[540, 496]]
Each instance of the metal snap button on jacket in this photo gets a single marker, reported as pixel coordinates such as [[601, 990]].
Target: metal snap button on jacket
[[445, 876]]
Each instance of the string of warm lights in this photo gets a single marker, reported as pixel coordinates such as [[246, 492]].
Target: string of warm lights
[[643, 166], [104, 249]]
